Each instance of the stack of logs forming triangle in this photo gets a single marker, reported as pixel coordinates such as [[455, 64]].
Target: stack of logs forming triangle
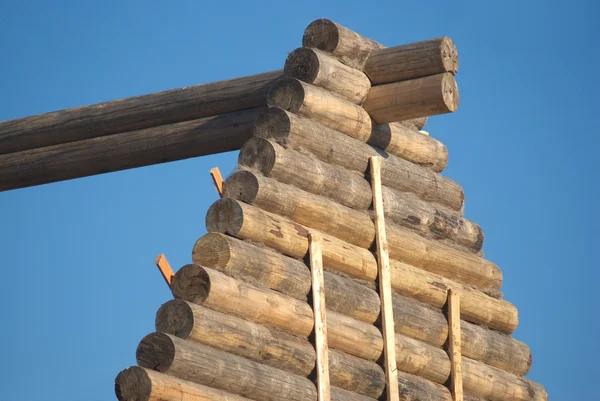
[[336, 174]]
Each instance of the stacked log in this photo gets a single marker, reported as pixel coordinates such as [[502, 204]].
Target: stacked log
[[241, 325]]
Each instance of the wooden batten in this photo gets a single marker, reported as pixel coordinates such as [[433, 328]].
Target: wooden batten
[[454, 345]]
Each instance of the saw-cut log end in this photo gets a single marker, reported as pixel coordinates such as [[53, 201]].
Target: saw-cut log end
[[243, 186], [258, 154], [303, 63], [225, 216], [322, 34], [449, 55], [287, 94], [273, 123], [450, 92], [212, 250], [156, 351], [191, 283], [175, 317], [133, 384]]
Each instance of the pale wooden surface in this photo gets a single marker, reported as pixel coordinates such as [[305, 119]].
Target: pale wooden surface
[[420, 97], [413, 60], [320, 316], [348, 46], [165, 269], [135, 113], [385, 287], [454, 345], [318, 68], [215, 173]]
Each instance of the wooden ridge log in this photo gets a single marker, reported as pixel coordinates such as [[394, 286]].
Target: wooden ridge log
[[420, 97], [322, 106], [318, 68], [135, 113], [412, 318], [266, 345], [250, 223], [289, 276], [109, 153], [295, 130], [413, 60], [357, 229], [348, 46], [205, 365], [413, 356], [140, 384]]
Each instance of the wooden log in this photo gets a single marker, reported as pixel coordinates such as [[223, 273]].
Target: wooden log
[[317, 68], [418, 123], [322, 106], [413, 60], [144, 147], [140, 384], [348, 46], [289, 276], [265, 155], [266, 345], [454, 345], [412, 356], [248, 262], [250, 223], [135, 113], [420, 97], [358, 229]]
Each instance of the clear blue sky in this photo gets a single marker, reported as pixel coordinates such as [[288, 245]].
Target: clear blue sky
[[80, 288]]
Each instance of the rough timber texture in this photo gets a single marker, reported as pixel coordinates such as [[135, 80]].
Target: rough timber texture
[[315, 67], [147, 146], [348, 46], [414, 60], [134, 113], [273, 160], [321, 106], [420, 97], [266, 345]]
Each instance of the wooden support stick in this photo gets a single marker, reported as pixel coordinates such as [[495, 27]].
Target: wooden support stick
[[164, 268], [454, 345], [385, 287], [217, 179], [318, 296]]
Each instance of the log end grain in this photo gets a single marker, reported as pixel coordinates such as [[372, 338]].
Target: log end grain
[[225, 216], [287, 93], [212, 250], [243, 186], [273, 123], [450, 92], [322, 34], [258, 154], [191, 283], [302, 63], [449, 55], [133, 384], [175, 317], [156, 351]]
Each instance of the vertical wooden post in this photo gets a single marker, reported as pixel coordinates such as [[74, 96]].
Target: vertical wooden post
[[318, 296], [385, 287], [164, 268], [454, 344], [217, 179]]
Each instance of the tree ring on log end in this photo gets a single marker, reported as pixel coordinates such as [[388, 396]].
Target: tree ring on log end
[[450, 92], [259, 154], [449, 55], [273, 123], [212, 250], [133, 384], [225, 216], [156, 351], [191, 283], [321, 34], [287, 94], [242, 186], [302, 63], [175, 317]]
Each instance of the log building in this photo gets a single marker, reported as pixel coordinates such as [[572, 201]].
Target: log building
[[243, 321]]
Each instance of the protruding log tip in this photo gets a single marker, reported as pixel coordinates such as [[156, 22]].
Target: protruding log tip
[[212, 250], [259, 154], [242, 185], [225, 216], [449, 55], [302, 63], [191, 283], [175, 317], [156, 351], [322, 34], [273, 123], [287, 94], [450, 92], [133, 384]]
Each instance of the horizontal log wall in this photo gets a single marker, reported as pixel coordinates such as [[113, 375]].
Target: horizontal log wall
[[134, 113]]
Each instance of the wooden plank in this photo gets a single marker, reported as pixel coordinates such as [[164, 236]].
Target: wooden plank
[[215, 173], [455, 345], [164, 268], [385, 287], [318, 296]]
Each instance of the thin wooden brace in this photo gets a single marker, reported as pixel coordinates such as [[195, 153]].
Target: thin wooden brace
[[318, 296], [385, 287], [215, 173], [164, 268], [454, 344]]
